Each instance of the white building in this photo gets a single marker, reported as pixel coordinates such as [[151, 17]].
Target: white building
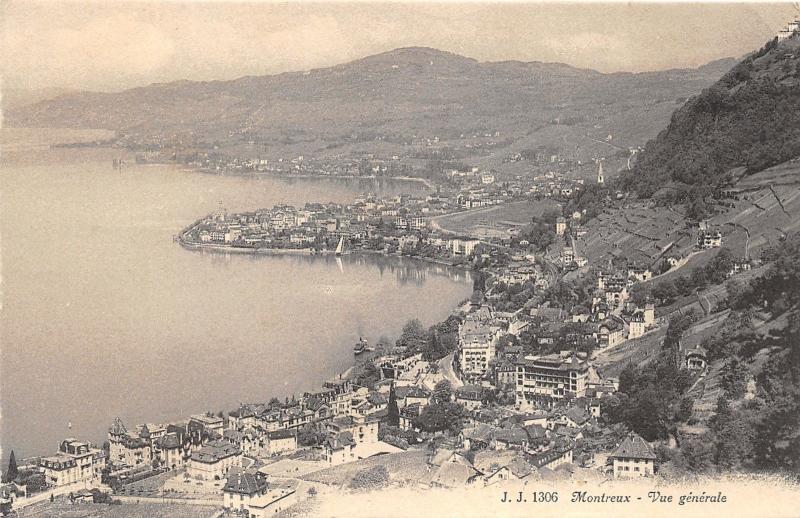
[[214, 460], [477, 340], [554, 376], [74, 462], [633, 458]]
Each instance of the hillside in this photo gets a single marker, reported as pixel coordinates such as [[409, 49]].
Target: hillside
[[387, 101], [747, 121]]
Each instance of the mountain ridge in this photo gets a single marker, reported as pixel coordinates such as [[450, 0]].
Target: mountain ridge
[[392, 93]]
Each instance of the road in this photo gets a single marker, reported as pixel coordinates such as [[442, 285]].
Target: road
[[63, 490], [446, 369]]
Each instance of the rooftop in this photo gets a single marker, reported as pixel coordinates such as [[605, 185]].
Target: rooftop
[[634, 447]]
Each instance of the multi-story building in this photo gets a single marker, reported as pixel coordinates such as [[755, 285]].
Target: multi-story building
[[477, 340], [128, 449], [342, 395], [242, 488], [636, 326], [214, 460], [544, 379], [208, 423], [709, 238], [75, 462], [465, 247]]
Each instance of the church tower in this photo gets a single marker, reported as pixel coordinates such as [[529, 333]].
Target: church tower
[[600, 178]]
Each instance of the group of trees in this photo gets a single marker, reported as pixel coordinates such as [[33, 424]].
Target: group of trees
[[511, 297], [750, 119], [756, 420], [433, 343], [442, 414], [715, 272], [651, 399], [589, 201], [541, 233]]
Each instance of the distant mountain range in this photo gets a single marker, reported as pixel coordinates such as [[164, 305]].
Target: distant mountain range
[[390, 97]]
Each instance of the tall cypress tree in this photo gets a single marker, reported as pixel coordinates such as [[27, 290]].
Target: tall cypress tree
[[11, 472], [393, 417]]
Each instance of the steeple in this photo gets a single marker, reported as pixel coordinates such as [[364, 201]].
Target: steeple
[[600, 177]]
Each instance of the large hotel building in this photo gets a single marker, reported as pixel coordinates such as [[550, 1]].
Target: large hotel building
[[542, 379]]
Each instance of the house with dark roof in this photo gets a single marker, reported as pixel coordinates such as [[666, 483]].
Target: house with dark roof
[[170, 450], [408, 414], [559, 453], [417, 396], [128, 448], [241, 488], [338, 448], [478, 437], [214, 460], [574, 417], [633, 458], [470, 397], [695, 358], [512, 437]]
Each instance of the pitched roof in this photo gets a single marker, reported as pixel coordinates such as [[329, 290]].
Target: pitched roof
[[170, 441], [519, 467], [511, 435], [453, 474], [634, 447], [577, 415], [441, 457], [215, 451], [480, 432], [244, 482]]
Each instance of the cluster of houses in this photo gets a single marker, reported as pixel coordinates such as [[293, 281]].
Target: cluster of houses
[[399, 223]]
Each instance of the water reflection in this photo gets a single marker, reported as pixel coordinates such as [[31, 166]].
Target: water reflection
[[407, 270]]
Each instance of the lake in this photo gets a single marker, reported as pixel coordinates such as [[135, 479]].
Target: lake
[[104, 316]]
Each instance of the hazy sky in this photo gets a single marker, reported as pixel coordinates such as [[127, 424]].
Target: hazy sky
[[113, 45]]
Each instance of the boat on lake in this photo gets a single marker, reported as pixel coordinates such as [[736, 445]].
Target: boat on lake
[[361, 346]]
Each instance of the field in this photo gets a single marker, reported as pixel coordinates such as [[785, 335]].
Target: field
[[404, 468], [492, 221]]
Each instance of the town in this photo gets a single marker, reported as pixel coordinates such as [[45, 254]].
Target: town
[[631, 310], [513, 386]]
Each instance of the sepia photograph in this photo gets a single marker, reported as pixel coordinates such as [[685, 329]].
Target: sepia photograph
[[378, 259]]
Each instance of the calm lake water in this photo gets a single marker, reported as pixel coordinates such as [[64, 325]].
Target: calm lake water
[[104, 316]]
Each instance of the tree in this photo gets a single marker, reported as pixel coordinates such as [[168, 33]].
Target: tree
[[11, 472], [309, 435], [438, 417], [698, 454], [413, 336], [393, 417], [443, 392], [734, 378], [369, 375], [685, 409]]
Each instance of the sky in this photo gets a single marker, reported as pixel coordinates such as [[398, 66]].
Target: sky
[[112, 45]]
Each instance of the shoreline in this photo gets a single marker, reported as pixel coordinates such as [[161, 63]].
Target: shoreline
[[427, 183], [195, 246]]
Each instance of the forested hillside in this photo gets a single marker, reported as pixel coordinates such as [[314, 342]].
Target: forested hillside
[[746, 122]]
